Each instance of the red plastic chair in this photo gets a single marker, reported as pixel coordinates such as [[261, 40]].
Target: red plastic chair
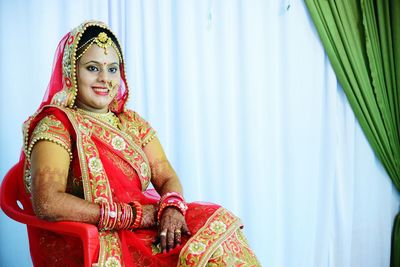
[[12, 191]]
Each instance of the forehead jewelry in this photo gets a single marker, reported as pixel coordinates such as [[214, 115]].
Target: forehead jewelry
[[103, 41]]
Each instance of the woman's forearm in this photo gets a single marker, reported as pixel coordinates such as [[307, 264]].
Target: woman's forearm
[[164, 177], [51, 202], [171, 185], [61, 206]]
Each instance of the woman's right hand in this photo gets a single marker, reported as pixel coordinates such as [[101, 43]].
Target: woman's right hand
[[172, 227], [149, 216]]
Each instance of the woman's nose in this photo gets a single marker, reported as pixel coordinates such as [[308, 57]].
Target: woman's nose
[[103, 77]]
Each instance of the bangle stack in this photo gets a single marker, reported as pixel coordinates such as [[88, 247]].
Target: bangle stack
[[116, 216], [171, 199]]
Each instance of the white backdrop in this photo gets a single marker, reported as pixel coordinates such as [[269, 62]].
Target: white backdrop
[[249, 111]]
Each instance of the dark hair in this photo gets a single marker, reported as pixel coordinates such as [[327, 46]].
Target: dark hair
[[91, 32]]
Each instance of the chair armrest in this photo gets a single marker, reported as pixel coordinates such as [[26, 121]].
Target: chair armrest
[[88, 233], [68, 227], [11, 192]]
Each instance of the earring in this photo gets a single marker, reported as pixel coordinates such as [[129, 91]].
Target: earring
[[114, 104]]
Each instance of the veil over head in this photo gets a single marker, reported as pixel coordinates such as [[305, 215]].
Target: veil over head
[[62, 89]]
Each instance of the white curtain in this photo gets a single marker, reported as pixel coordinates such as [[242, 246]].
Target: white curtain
[[247, 107]]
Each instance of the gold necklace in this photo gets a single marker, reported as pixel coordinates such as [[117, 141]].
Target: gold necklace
[[108, 117]]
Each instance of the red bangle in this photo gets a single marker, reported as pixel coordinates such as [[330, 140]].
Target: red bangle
[[171, 199], [106, 218], [127, 216], [101, 219], [139, 213], [170, 202], [113, 215], [171, 194], [119, 215]]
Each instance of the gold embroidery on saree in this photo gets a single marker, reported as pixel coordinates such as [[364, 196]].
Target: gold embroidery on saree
[[112, 255], [98, 183], [234, 251], [200, 247], [122, 144], [97, 187], [50, 129], [139, 130], [121, 164]]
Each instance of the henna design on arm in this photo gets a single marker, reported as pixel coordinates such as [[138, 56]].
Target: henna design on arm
[[52, 203], [164, 177]]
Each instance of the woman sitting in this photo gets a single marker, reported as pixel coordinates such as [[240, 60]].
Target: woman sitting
[[88, 159]]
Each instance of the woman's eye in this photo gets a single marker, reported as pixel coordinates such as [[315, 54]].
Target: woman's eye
[[92, 68], [113, 69]]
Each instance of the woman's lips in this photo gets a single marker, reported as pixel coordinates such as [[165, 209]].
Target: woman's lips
[[103, 91]]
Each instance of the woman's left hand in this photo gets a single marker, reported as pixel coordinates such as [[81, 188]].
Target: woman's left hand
[[172, 226]]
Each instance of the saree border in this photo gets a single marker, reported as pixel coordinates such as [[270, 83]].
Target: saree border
[[112, 254], [201, 246], [126, 149], [92, 165]]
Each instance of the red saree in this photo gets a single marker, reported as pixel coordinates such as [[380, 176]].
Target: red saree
[[108, 165]]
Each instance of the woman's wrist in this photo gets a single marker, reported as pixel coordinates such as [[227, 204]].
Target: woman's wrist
[[116, 216], [171, 199]]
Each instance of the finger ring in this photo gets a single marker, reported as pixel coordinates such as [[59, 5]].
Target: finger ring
[[163, 234], [177, 231]]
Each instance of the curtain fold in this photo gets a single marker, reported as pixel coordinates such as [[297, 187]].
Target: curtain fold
[[361, 38]]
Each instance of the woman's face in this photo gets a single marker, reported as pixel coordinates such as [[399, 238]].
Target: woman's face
[[98, 78]]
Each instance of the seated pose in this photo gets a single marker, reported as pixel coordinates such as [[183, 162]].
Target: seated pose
[[88, 159]]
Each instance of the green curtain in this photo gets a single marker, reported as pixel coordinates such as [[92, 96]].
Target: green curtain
[[362, 40]]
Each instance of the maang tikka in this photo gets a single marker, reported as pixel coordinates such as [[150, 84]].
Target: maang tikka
[[103, 41]]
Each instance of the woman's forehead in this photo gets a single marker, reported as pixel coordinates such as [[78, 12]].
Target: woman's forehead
[[101, 55]]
